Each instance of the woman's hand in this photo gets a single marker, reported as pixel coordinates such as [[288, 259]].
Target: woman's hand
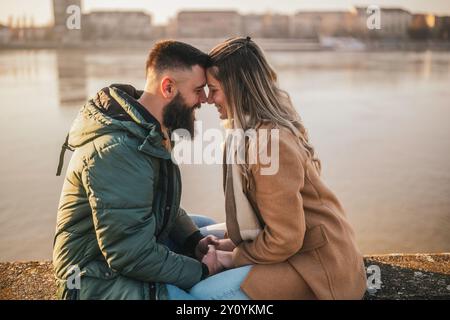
[[224, 245], [212, 261], [225, 259]]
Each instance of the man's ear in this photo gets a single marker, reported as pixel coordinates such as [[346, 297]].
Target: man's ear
[[167, 87]]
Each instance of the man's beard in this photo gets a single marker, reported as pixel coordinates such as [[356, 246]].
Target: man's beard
[[177, 115]]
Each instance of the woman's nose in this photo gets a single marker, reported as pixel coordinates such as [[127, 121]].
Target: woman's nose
[[203, 97], [210, 99]]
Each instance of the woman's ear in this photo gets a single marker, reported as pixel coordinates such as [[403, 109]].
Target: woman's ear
[[167, 87]]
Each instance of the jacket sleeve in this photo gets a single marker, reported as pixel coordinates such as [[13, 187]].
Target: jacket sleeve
[[120, 186], [185, 233], [280, 204]]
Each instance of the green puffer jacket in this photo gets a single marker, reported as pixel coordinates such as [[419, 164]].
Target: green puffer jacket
[[119, 202]]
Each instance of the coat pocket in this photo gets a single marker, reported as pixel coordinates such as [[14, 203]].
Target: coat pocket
[[309, 265], [98, 269], [97, 279]]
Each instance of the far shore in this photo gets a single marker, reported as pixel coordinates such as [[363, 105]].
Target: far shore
[[268, 44]]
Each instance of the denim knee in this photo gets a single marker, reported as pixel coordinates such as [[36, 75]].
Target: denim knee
[[202, 221]]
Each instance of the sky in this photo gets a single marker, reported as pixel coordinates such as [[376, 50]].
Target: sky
[[161, 11]]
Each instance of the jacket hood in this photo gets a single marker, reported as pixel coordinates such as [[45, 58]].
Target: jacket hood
[[115, 108]]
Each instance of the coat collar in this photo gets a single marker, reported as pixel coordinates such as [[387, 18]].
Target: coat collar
[[152, 144]]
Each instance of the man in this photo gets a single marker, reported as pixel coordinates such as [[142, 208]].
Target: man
[[121, 194]]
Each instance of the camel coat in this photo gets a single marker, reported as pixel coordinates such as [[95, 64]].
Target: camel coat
[[307, 248]]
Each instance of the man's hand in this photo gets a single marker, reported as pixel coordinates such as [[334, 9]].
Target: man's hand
[[202, 246], [225, 245], [211, 260]]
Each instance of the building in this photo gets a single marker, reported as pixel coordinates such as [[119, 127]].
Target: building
[[316, 24], [395, 23], [442, 28], [266, 25], [172, 28], [5, 34], [208, 24], [159, 32], [117, 25], [421, 26], [276, 26], [253, 25], [306, 25]]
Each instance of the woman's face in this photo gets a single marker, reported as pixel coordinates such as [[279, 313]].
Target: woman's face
[[216, 95]]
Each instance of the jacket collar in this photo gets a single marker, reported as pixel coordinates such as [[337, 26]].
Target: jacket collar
[[152, 144]]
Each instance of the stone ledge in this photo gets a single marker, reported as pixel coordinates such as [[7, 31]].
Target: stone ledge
[[403, 276], [411, 277]]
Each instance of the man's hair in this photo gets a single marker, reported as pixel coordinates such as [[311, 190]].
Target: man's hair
[[170, 54]]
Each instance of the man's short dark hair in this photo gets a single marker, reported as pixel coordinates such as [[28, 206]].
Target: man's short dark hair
[[170, 54]]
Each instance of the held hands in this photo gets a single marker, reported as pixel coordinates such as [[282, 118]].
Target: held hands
[[212, 261], [202, 247], [225, 245], [217, 260], [215, 253], [221, 244]]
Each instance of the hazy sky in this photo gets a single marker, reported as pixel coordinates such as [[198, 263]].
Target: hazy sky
[[41, 10]]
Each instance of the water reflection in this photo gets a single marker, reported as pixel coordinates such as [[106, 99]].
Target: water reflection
[[71, 67]]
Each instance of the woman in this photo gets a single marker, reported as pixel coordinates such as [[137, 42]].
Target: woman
[[306, 247]]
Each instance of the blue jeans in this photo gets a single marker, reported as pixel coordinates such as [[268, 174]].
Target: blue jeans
[[222, 286]]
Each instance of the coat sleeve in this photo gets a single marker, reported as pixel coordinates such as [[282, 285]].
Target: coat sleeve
[[280, 203], [120, 186], [184, 232]]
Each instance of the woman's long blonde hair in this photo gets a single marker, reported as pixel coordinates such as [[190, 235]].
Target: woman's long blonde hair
[[251, 89]]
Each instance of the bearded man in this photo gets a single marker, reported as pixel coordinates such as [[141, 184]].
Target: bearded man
[[120, 201]]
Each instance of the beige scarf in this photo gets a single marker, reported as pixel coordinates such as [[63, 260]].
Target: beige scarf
[[243, 220]]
